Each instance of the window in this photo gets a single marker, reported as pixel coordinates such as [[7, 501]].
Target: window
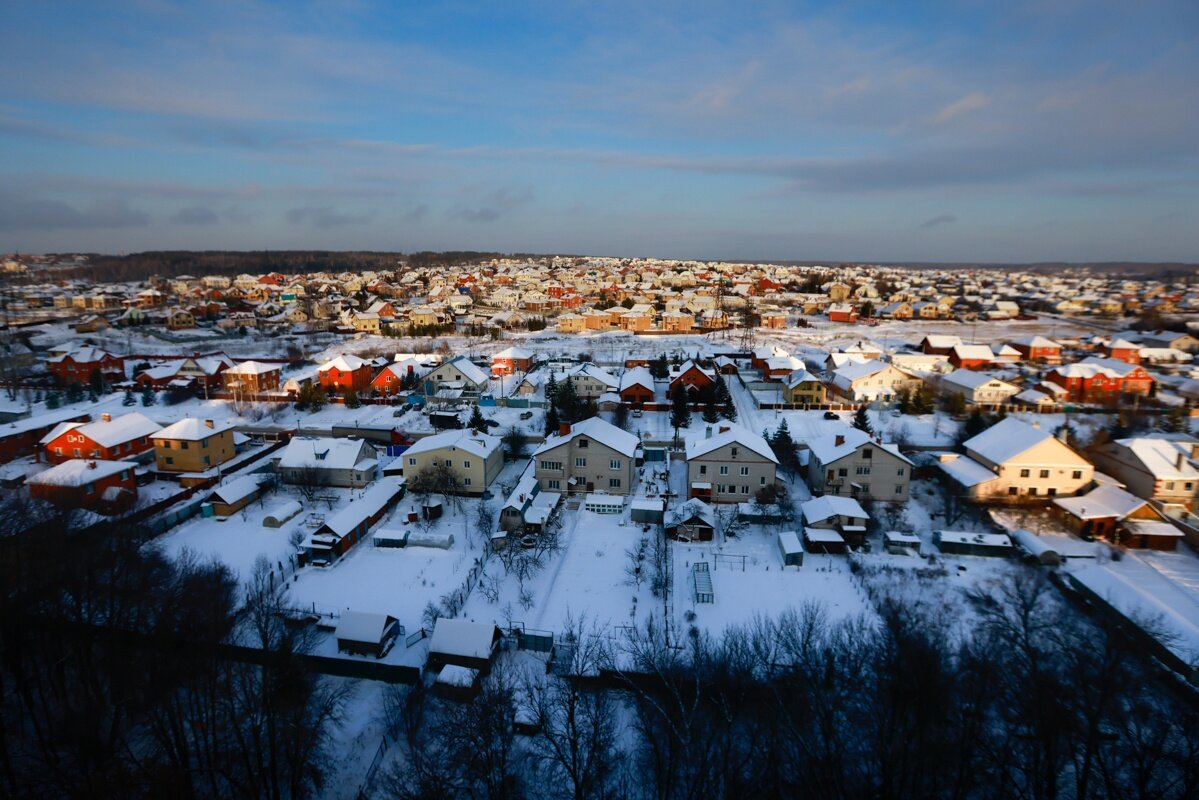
[[724, 470], [703, 469], [554, 484], [207, 460], [466, 465], [1052, 491], [1044, 473], [734, 451], [1012, 490], [762, 481], [899, 488], [1024, 473], [582, 444], [843, 472], [466, 481], [614, 464], [1077, 475], [412, 462], [170, 460], [580, 462], [58, 451], [899, 472], [1169, 486], [76, 452], [1032, 491], [863, 471], [744, 490], [867, 453], [613, 483], [551, 465], [744, 471], [204, 443], [183, 445], [89, 488]]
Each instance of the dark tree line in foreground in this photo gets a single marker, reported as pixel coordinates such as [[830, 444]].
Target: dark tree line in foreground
[[107, 692], [1037, 704]]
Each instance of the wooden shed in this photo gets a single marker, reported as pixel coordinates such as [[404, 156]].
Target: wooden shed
[[464, 643], [366, 634], [790, 549]]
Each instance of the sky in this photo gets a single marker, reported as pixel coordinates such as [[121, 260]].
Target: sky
[[978, 131]]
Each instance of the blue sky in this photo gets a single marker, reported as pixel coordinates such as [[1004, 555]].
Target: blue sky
[[915, 131]]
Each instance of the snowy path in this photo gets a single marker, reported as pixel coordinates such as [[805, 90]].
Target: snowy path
[[559, 561]]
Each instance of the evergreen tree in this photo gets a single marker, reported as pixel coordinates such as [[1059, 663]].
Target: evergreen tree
[[477, 421], [148, 396], [129, 398], [551, 390], [351, 399], [975, 424], [53, 401], [659, 367], [567, 401], [730, 412], [955, 403], [74, 393], [1119, 428], [861, 420], [552, 422], [903, 402], [710, 413], [1172, 421], [680, 414]]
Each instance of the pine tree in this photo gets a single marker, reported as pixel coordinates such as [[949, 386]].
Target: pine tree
[[567, 401], [477, 421], [551, 390], [148, 397], [552, 422], [903, 402], [129, 398], [861, 420], [680, 414], [710, 413], [975, 424], [53, 401], [351, 399], [1172, 421]]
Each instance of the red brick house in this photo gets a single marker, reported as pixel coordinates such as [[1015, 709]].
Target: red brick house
[[637, 386], [1038, 348], [1096, 379], [842, 312], [939, 344], [78, 366], [23, 437], [346, 373], [693, 377], [108, 439], [510, 360], [971, 356], [106, 487], [1124, 351]]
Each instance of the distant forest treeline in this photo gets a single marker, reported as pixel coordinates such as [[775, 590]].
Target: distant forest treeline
[[173, 263]]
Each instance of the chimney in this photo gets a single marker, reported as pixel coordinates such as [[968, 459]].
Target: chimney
[[1180, 461], [564, 429], [708, 432], [105, 417], [840, 440], [209, 423], [724, 429]]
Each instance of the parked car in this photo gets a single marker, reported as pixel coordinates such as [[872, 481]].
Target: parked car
[[636, 412], [831, 415], [526, 415]]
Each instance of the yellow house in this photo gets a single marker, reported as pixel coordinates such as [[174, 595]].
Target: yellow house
[[571, 323], [193, 445]]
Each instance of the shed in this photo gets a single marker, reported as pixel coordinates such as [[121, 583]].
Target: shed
[[790, 549], [823, 540], [432, 509], [600, 503], [462, 642], [694, 520], [442, 541], [389, 537], [901, 543], [648, 510], [235, 495], [1036, 548], [973, 543], [366, 634], [281, 513], [456, 682]]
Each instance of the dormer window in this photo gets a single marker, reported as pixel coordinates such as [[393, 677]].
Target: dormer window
[[582, 443]]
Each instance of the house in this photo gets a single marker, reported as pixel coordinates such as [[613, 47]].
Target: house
[[591, 381], [571, 323], [78, 366], [527, 507], [692, 377], [457, 373], [1123, 350], [692, 521], [193, 445], [971, 356], [677, 321], [842, 312], [512, 359], [1154, 468], [729, 466], [321, 461], [347, 527], [463, 643], [251, 378], [22, 437], [1038, 349], [106, 487], [939, 344], [979, 388], [1172, 340], [1014, 461], [107, 439], [637, 386], [803, 388], [589, 456], [392, 378], [475, 458], [873, 381], [180, 319], [360, 633], [346, 374], [1112, 513], [1097, 379], [853, 463], [844, 515], [231, 497]]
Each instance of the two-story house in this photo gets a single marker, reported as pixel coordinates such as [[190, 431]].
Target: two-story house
[[474, 458], [852, 463], [589, 456], [729, 466]]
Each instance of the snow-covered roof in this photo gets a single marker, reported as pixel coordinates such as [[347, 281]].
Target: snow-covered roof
[[829, 506], [799, 376], [944, 341], [462, 638], [515, 353], [475, 443], [827, 449], [360, 626], [977, 538], [469, 370], [1162, 457], [973, 352], [252, 368], [325, 453], [965, 470], [119, 430], [1036, 341], [595, 428], [193, 430], [1006, 439], [736, 434], [592, 371], [236, 489], [691, 509], [637, 376], [373, 500], [79, 472], [1106, 500], [350, 363], [969, 379]]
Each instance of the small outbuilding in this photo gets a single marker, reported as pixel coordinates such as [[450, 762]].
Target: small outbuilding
[[790, 549], [366, 634], [824, 540], [972, 543], [281, 513], [901, 543], [1036, 548], [693, 521], [600, 503], [235, 495], [464, 643], [647, 510]]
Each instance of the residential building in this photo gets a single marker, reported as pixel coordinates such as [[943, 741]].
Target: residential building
[[475, 458], [1154, 468], [979, 388], [107, 439], [251, 378], [589, 456], [347, 373], [194, 445], [852, 463], [323, 461], [729, 466], [106, 487]]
